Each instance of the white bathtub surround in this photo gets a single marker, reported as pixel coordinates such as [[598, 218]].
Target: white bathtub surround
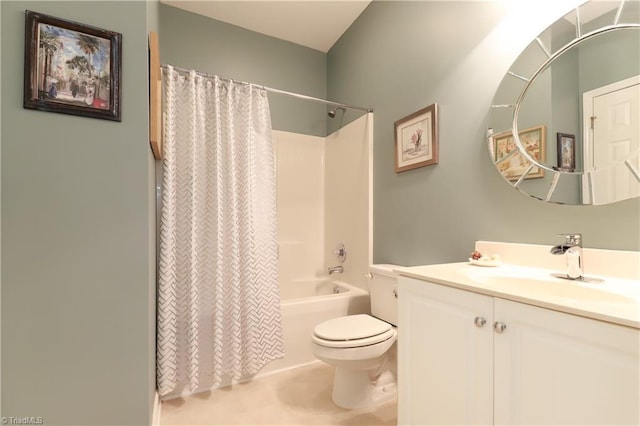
[[348, 198], [324, 198], [597, 262], [314, 302], [301, 206], [218, 299]]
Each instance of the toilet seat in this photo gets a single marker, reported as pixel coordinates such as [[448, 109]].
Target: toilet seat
[[352, 331]]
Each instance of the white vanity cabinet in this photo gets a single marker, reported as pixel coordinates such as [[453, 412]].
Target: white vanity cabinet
[[445, 360], [468, 358]]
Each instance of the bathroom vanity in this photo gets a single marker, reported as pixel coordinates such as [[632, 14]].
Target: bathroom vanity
[[514, 345]]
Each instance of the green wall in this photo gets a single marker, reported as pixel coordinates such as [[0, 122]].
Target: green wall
[[192, 41], [0, 219], [78, 239], [397, 58], [77, 194], [401, 56]]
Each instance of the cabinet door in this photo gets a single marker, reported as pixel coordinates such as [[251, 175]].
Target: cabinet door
[[555, 368], [445, 362]]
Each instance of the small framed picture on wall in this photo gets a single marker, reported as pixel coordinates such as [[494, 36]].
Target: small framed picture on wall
[[566, 151], [416, 138]]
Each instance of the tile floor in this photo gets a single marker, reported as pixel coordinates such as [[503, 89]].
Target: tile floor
[[301, 396]]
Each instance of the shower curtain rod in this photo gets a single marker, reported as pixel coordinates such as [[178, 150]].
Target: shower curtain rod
[[271, 89]]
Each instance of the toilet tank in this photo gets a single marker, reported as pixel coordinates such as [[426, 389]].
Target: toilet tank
[[383, 292]]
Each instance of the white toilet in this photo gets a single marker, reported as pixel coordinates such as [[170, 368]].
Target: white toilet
[[362, 347]]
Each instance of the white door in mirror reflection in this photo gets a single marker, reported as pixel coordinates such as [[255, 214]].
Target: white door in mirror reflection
[[613, 114]]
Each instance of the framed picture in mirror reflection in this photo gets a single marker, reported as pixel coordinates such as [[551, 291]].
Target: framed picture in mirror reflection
[[566, 151], [511, 162]]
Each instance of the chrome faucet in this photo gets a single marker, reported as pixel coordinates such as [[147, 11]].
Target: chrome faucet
[[572, 247], [336, 269]]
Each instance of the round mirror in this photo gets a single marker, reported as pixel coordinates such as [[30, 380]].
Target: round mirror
[[565, 120]]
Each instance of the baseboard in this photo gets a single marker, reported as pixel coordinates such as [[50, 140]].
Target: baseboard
[[187, 393], [155, 420], [282, 370]]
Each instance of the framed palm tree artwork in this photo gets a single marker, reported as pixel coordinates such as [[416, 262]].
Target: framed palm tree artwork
[[71, 68]]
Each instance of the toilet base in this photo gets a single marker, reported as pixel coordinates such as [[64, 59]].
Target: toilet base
[[354, 389]]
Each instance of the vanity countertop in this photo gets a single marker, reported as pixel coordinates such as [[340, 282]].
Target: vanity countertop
[[614, 300]]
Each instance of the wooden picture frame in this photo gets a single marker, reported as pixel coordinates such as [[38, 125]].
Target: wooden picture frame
[[71, 68], [155, 97], [566, 145], [513, 164], [416, 139]]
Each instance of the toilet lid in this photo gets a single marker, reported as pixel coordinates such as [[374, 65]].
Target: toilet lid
[[351, 327], [356, 343]]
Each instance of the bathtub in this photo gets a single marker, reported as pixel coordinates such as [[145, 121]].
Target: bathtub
[[304, 305]]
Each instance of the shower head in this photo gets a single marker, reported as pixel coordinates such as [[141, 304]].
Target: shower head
[[332, 113]]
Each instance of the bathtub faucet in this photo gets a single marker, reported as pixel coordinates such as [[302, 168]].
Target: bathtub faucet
[[336, 269]]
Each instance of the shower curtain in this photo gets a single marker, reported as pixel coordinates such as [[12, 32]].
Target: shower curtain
[[218, 297]]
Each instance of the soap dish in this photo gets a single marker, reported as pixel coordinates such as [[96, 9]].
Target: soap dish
[[487, 262]]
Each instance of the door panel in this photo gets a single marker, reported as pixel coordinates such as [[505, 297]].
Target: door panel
[[555, 368], [615, 137], [445, 360]]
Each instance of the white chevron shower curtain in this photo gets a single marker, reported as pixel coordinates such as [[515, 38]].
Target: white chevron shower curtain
[[218, 296]]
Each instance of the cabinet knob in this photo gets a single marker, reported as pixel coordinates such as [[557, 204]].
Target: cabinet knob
[[479, 322], [499, 327], [395, 293]]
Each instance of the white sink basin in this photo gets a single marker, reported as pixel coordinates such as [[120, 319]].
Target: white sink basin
[[557, 287], [541, 283], [605, 298]]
